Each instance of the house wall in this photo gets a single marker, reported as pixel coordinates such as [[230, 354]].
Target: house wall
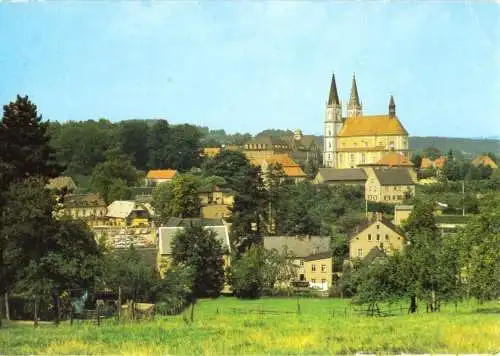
[[400, 216], [319, 272], [85, 212], [215, 211], [376, 235]]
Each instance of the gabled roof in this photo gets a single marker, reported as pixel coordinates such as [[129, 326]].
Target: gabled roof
[[319, 256], [167, 234], [122, 209], [373, 125], [84, 201], [382, 221], [394, 176], [61, 182], [161, 174], [485, 161], [182, 222], [298, 246], [337, 174], [284, 160], [294, 172], [395, 159]]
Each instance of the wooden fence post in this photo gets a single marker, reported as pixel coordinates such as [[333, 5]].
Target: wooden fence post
[[97, 311], [192, 310], [35, 313], [119, 302]]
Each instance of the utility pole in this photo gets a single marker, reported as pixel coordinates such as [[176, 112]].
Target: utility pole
[[463, 198]]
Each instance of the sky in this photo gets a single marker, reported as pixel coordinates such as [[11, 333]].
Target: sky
[[248, 66]]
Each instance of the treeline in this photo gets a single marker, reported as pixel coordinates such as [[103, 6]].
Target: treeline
[[432, 267]]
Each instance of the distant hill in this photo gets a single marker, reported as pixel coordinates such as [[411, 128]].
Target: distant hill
[[468, 146]]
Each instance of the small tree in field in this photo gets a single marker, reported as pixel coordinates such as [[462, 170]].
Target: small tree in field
[[199, 249], [247, 275]]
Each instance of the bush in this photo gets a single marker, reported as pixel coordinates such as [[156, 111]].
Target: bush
[[175, 291]]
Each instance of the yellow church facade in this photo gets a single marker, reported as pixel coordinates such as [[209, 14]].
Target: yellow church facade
[[360, 139]]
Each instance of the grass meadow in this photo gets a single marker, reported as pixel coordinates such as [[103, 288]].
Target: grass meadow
[[227, 326]]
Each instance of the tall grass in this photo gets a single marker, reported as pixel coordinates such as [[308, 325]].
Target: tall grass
[[230, 326]]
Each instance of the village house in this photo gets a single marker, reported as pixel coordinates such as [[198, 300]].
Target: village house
[[484, 161], [157, 176], [265, 146], [300, 248], [378, 233], [210, 151], [318, 270], [291, 169], [167, 233], [335, 176], [62, 183], [88, 207], [438, 163], [216, 203], [125, 213], [389, 185]]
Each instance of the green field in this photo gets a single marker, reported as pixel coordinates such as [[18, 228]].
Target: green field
[[228, 326]]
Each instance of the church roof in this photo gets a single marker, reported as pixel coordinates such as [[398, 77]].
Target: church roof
[[372, 125], [333, 98]]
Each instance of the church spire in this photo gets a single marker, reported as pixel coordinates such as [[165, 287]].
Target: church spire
[[354, 107], [333, 98], [392, 107]]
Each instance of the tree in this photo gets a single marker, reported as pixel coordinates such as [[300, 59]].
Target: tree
[[133, 138], [127, 270], [158, 141], [230, 165], [275, 184], [178, 198], [24, 144], [426, 271], [113, 178], [199, 248], [479, 251], [247, 277], [416, 159], [247, 210], [184, 147]]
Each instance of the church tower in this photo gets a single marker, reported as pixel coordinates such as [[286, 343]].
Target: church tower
[[392, 107], [333, 125], [354, 108]]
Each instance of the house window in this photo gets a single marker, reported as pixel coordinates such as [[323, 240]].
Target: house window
[[386, 237], [369, 237], [323, 268], [360, 252], [323, 282], [301, 262], [313, 268], [378, 226], [378, 237], [313, 280]]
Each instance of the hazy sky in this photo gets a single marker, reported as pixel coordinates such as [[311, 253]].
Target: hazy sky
[[248, 66]]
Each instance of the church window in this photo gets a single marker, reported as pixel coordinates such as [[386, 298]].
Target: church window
[[366, 144], [329, 145], [340, 157], [363, 158], [329, 133], [329, 156], [352, 157]]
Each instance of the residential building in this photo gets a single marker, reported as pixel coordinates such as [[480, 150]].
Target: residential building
[[303, 148], [298, 248], [428, 163], [264, 146], [389, 185], [126, 213], [318, 270], [60, 183], [292, 170], [484, 161], [378, 233], [401, 214], [167, 233], [334, 176], [88, 207], [216, 203], [157, 176], [357, 138], [210, 151]]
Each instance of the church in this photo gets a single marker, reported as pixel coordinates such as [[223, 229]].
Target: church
[[357, 139]]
